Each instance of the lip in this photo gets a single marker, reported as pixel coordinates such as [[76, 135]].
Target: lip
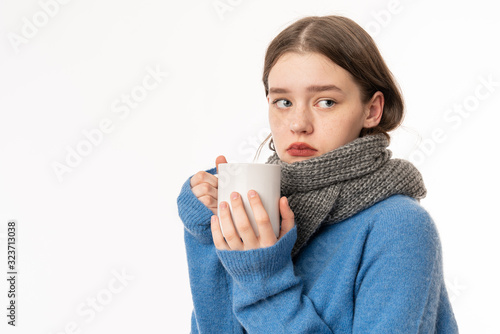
[[300, 149]]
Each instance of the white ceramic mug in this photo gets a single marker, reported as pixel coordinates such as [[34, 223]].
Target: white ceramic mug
[[265, 179]]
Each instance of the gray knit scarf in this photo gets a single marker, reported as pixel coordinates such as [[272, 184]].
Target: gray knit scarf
[[338, 184]]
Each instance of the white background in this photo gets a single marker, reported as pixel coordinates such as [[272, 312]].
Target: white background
[[116, 210]]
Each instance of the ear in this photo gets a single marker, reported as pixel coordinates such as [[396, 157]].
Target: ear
[[373, 110]]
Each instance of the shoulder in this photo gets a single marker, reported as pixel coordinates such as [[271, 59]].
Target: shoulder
[[400, 239], [399, 204], [398, 210], [401, 220], [400, 270]]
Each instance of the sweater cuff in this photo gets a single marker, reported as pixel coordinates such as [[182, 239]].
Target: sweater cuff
[[193, 213], [258, 264]]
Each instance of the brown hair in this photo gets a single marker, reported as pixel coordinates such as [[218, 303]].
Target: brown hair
[[348, 45]]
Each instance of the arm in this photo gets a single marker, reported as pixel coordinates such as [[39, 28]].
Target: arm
[[210, 284], [400, 287], [267, 296]]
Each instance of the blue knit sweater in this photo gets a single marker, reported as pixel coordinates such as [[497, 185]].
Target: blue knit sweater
[[379, 271]]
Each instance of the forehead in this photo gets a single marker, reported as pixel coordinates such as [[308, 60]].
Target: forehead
[[296, 71]]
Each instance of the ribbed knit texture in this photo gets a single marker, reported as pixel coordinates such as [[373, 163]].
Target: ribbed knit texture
[[378, 271], [340, 183], [194, 212]]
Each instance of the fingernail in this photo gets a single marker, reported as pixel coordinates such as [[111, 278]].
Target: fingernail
[[252, 193], [234, 196], [223, 205], [212, 219]]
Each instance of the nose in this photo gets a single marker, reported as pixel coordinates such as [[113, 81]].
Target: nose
[[300, 121]]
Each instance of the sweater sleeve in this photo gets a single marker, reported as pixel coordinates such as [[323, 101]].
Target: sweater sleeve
[[267, 295], [400, 286], [210, 283]]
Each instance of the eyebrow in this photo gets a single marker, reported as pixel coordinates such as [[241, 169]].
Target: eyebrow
[[311, 89]]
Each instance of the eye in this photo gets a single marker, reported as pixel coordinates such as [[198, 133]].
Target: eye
[[287, 103], [329, 104]]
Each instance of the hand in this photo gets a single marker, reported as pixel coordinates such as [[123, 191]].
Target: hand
[[204, 186], [248, 238]]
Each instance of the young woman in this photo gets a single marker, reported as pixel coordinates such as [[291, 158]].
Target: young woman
[[356, 253]]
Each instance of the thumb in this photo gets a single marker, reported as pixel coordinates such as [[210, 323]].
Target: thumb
[[220, 160], [287, 216]]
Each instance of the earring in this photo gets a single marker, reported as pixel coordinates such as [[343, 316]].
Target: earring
[[271, 145]]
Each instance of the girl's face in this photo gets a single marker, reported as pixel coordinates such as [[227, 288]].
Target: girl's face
[[315, 106]]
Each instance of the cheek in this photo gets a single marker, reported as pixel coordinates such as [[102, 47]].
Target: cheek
[[275, 123], [271, 118], [278, 129], [336, 128], [348, 118]]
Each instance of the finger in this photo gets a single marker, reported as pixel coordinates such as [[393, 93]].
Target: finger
[[205, 189], [245, 229], [287, 216], [209, 202], [267, 237], [230, 233], [203, 177], [220, 160], [217, 236]]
